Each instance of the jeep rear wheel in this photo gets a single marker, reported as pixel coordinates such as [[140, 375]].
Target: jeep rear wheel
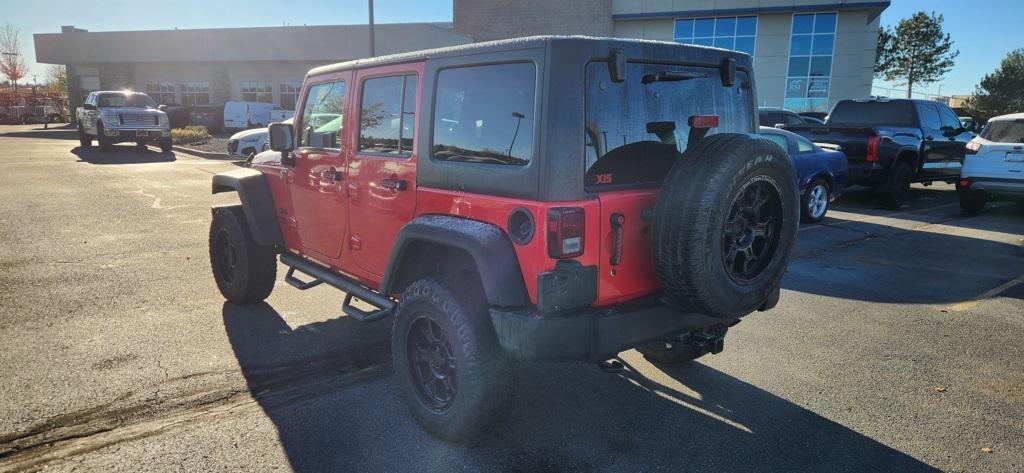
[[724, 225], [244, 271], [452, 373]]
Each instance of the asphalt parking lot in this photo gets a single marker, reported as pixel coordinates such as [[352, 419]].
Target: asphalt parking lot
[[897, 346]]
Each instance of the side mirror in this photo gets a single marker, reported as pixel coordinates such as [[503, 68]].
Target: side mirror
[[281, 139], [88, 106]]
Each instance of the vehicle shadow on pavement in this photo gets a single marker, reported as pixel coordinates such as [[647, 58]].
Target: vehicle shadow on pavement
[[122, 154], [865, 261], [328, 390], [61, 133]]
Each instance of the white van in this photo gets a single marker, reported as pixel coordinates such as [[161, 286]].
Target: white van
[[242, 115]]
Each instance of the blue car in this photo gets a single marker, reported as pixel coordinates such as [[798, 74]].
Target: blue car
[[821, 173]]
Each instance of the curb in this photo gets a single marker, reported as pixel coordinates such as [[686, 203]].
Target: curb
[[207, 154]]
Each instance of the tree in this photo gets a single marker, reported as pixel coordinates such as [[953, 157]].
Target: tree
[[12, 62], [1001, 91], [57, 80], [915, 52]]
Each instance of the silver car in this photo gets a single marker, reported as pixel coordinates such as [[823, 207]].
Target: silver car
[[119, 116]]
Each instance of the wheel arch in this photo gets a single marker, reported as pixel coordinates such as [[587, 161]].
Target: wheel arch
[[431, 244], [257, 203], [910, 156]]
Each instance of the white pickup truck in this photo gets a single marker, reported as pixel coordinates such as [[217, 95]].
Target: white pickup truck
[[116, 117]]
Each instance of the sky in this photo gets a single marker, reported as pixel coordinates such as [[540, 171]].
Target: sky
[[983, 30]]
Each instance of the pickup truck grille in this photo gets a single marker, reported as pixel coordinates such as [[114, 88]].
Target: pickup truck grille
[[140, 120]]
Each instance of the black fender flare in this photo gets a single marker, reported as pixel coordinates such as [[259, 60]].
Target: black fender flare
[[257, 203], [487, 244]]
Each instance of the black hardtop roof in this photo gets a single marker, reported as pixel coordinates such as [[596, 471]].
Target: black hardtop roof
[[528, 42]]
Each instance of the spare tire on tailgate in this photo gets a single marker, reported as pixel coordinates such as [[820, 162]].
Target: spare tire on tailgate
[[724, 225]]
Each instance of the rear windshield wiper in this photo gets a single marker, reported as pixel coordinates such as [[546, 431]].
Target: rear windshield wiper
[[671, 76]]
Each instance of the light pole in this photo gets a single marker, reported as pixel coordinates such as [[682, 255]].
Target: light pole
[[372, 52]]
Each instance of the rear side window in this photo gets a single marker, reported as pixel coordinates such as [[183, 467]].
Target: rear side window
[[929, 116], [485, 114], [322, 115], [636, 129], [387, 115], [1004, 131], [779, 140], [802, 145], [849, 112]]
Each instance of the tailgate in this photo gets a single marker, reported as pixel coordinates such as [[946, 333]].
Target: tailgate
[[852, 139]]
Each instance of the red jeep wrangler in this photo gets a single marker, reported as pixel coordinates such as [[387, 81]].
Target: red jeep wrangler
[[546, 198]]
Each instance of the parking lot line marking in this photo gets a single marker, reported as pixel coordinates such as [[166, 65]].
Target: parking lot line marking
[[875, 218], [968, 305]]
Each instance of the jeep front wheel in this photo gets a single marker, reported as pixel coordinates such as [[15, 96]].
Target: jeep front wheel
[[244, 271], [724, 225], [453, 376]]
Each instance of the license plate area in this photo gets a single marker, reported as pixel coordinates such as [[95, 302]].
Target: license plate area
[[142, 133]]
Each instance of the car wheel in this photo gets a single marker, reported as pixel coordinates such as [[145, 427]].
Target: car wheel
[[971, 202], [105, 143], [724, 225], [244, 271], [815, 201], [84, 140], [897, 189], [166, 145], [453, 375]]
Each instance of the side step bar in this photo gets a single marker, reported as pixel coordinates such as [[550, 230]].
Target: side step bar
[[384, 305]]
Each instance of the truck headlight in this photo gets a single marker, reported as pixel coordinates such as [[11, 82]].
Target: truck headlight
[[163, 120]]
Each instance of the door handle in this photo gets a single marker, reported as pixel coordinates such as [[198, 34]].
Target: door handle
[[331, 175], [394, 184], [928, 138]]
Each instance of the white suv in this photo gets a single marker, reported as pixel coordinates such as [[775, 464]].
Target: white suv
[[994, 165]]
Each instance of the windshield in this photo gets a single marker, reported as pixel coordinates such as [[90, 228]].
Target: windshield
[[636, 129], [125, 99], [1004, 131], [849, 112]]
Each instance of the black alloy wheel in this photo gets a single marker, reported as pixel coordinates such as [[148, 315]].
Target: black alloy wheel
[[227, 257], [433, 363], [752, 229]]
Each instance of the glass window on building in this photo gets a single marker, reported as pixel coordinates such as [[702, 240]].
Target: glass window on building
[[261, 92], [161, 93], [289, 93], [810, 62], [195, 93], [729, 32]]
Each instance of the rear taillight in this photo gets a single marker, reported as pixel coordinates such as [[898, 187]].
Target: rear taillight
[[964, 183], [565, 232], [872, 156], [972, 147]]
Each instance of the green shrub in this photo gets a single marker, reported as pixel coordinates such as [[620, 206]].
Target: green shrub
[[190, 134]]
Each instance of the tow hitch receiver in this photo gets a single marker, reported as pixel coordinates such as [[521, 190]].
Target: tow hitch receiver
[[711, 340]]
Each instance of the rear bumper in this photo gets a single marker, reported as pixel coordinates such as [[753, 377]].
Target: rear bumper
[[866, 174], [591, 334], [998, 186]]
